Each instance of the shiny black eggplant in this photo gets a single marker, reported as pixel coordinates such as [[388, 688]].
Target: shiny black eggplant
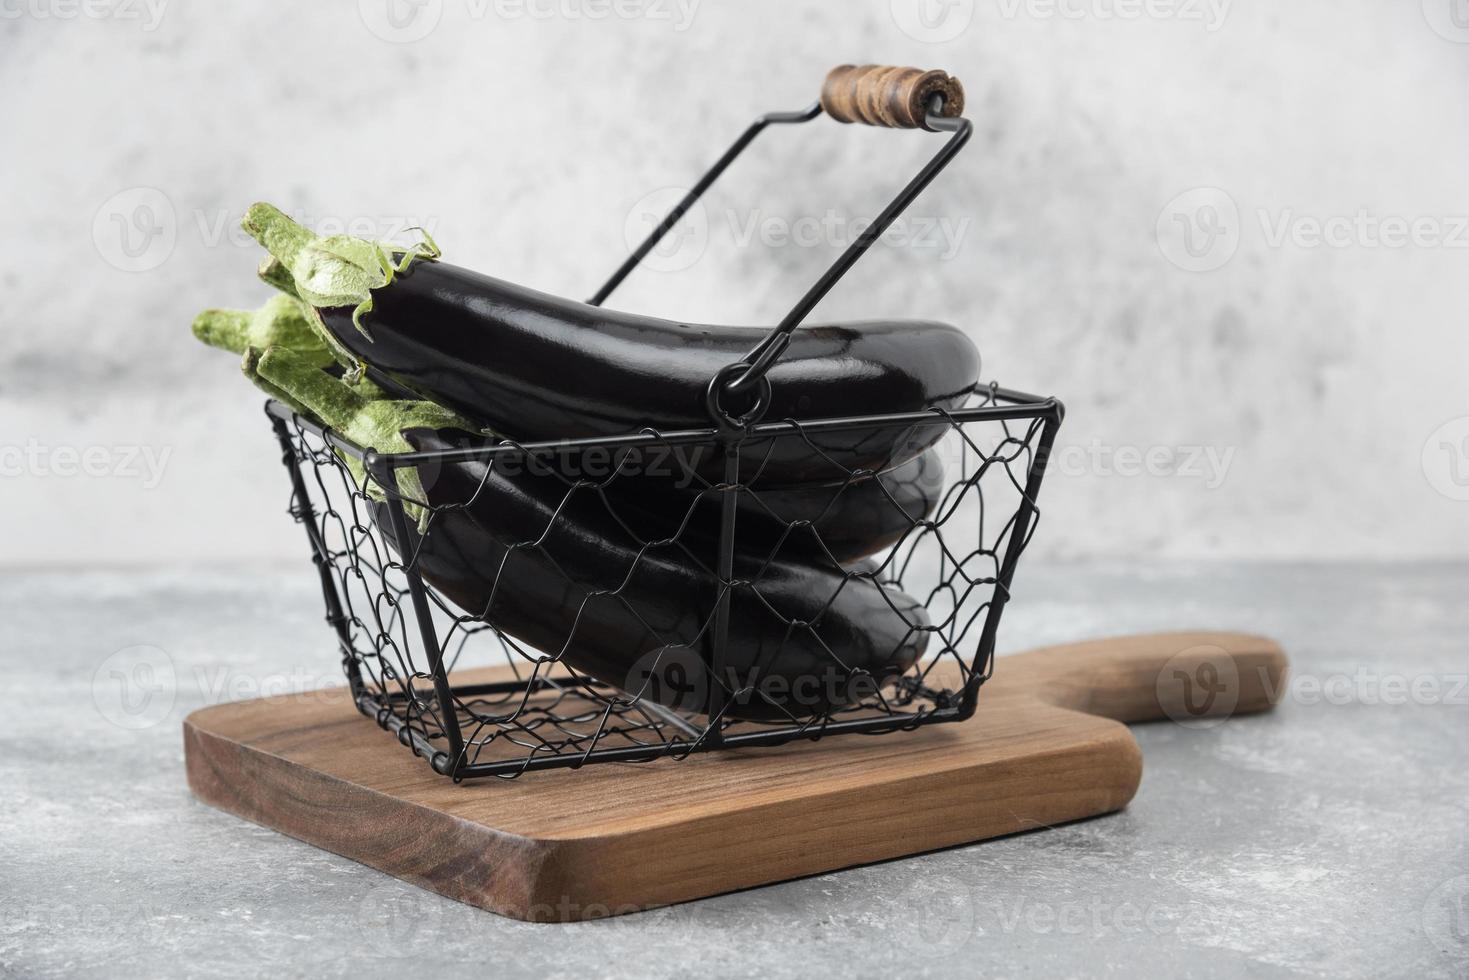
[[559, 569], [839, 519], [538, 367]]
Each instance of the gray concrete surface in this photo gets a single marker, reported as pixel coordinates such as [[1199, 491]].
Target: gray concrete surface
[[1325, 840]]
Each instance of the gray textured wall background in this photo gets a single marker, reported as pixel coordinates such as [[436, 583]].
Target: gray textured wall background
[[1131, 229]]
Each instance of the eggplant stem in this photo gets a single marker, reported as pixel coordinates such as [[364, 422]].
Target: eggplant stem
[[272, 228], [273, 273], [248, 369], [282, 322], [330, 272], [226, 329]]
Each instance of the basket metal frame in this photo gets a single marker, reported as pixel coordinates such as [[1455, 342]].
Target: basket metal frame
[[450, 759]]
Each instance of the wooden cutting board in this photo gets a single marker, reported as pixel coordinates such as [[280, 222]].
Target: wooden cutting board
[[1046, 746]]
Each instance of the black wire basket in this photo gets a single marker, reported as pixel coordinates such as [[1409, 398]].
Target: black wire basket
[[466, 693], [715, 610]]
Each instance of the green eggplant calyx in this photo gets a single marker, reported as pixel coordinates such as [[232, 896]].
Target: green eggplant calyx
[[375, 424], [331, 271]]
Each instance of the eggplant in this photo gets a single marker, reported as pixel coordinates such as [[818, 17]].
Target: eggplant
[[553, 566], [538, 367], [842, 520], [847, 520]]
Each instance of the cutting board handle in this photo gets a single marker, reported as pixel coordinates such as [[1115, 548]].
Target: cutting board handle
[[1187, 677]]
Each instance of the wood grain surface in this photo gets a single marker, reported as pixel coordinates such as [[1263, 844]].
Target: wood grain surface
[[1046, 746]]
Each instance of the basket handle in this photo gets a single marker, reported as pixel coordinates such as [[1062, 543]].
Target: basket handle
[[884, 95], [877, 95]]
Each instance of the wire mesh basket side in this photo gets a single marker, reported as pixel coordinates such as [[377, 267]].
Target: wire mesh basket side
[[423, 593]]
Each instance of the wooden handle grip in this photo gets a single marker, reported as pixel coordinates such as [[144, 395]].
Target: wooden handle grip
[[1186, 677], [881, 95]]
